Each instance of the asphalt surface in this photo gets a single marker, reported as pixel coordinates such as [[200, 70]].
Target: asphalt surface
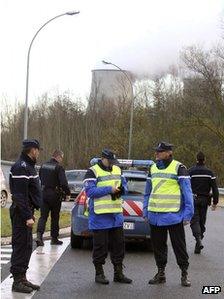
[[73, 274]]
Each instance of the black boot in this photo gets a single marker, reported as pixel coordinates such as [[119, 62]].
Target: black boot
[[185, 282], [100, 277], [119, 275], [159, 277], [19, 286], [55, 241], [198, 246], [39, 239], [30, 284]]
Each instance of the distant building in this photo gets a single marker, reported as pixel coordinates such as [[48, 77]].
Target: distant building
[[110, 85]]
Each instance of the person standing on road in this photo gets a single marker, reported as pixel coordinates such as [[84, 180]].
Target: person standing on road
[[104, 185], [202, 182], [168, 206], [26, 196], [54, 186]]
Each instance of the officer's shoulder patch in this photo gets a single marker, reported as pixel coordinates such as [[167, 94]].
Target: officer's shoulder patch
[[183, 166], [23, 164]]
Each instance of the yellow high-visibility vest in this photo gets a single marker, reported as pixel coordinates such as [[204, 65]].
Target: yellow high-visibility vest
[[166, 195], [105, 204]]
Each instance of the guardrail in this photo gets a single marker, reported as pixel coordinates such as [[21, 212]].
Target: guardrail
[[221, 191]]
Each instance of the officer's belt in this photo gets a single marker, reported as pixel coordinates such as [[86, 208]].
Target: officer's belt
[[196, 196], [51, 188]]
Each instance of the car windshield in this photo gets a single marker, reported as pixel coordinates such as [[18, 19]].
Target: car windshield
[[136, 185], [75, 175]]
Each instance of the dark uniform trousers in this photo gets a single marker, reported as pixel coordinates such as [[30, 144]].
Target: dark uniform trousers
[[112, 237], [53, 205], [22, 242], [159, 241], [199, 218]]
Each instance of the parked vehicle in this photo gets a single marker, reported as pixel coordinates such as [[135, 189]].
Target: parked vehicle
[[4, 190], [134, 225], [75, 180]]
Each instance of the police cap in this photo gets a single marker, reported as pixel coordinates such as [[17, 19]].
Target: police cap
[[32, 143], [108, 154], [163, 146]]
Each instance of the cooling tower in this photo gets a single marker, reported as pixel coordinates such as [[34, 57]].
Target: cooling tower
[[110, 84]]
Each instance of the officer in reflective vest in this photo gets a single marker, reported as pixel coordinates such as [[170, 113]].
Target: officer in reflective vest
[[104, 185], [168, 206]]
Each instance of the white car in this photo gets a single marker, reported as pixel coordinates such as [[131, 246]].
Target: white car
[[4, 190]]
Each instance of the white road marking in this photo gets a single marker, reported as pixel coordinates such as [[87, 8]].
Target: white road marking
[[3, 247], [42, 261], [6, 249], [5, 253], [4, 262]]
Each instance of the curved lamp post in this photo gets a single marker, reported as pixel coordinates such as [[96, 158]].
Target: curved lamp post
[[132, 106], [69, 13]]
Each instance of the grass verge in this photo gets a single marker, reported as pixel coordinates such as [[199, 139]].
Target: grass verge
[[6, 229]]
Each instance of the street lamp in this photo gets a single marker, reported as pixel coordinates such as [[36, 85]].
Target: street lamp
[[69, 13], [132, 105]]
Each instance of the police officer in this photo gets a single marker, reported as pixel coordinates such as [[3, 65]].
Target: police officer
[[104, 186], [202, 181], [26, 196], [54, 185], [168, 206]]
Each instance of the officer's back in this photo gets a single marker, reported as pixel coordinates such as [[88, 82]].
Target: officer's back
[[49, 177], [54, 187], [53, 179], [203, 179]]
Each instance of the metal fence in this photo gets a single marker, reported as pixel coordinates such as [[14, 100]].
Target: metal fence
[[221, 191]]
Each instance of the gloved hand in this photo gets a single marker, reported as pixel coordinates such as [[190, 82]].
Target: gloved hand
[[115, 190], [116, 193]]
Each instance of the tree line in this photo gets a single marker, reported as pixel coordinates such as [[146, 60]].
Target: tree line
[[185, 108]]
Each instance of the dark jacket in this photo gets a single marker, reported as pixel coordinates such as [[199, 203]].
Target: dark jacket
[[52, 176], [203, 182], [25, 186]]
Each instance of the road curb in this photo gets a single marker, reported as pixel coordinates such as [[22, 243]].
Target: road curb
[[64, 232]]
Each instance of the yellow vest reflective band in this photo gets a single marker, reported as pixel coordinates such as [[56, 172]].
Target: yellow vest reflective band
[[105, 204], [165, 196]]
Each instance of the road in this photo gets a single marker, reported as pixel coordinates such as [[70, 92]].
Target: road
[[72, 275]]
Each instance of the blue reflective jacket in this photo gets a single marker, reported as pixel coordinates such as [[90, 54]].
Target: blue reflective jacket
[[102, 221], [186, 210]]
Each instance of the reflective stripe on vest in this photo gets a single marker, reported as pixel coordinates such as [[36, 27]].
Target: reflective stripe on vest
[[105, 204], [165, 196]]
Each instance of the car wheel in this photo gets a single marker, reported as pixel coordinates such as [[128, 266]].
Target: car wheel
[[148, 245], [4, 198], [76, 241]]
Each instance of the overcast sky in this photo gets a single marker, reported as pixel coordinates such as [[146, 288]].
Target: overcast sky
[[143, 36]]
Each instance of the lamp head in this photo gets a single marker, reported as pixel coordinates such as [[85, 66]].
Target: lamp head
[[106, 62], [71, 13]]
